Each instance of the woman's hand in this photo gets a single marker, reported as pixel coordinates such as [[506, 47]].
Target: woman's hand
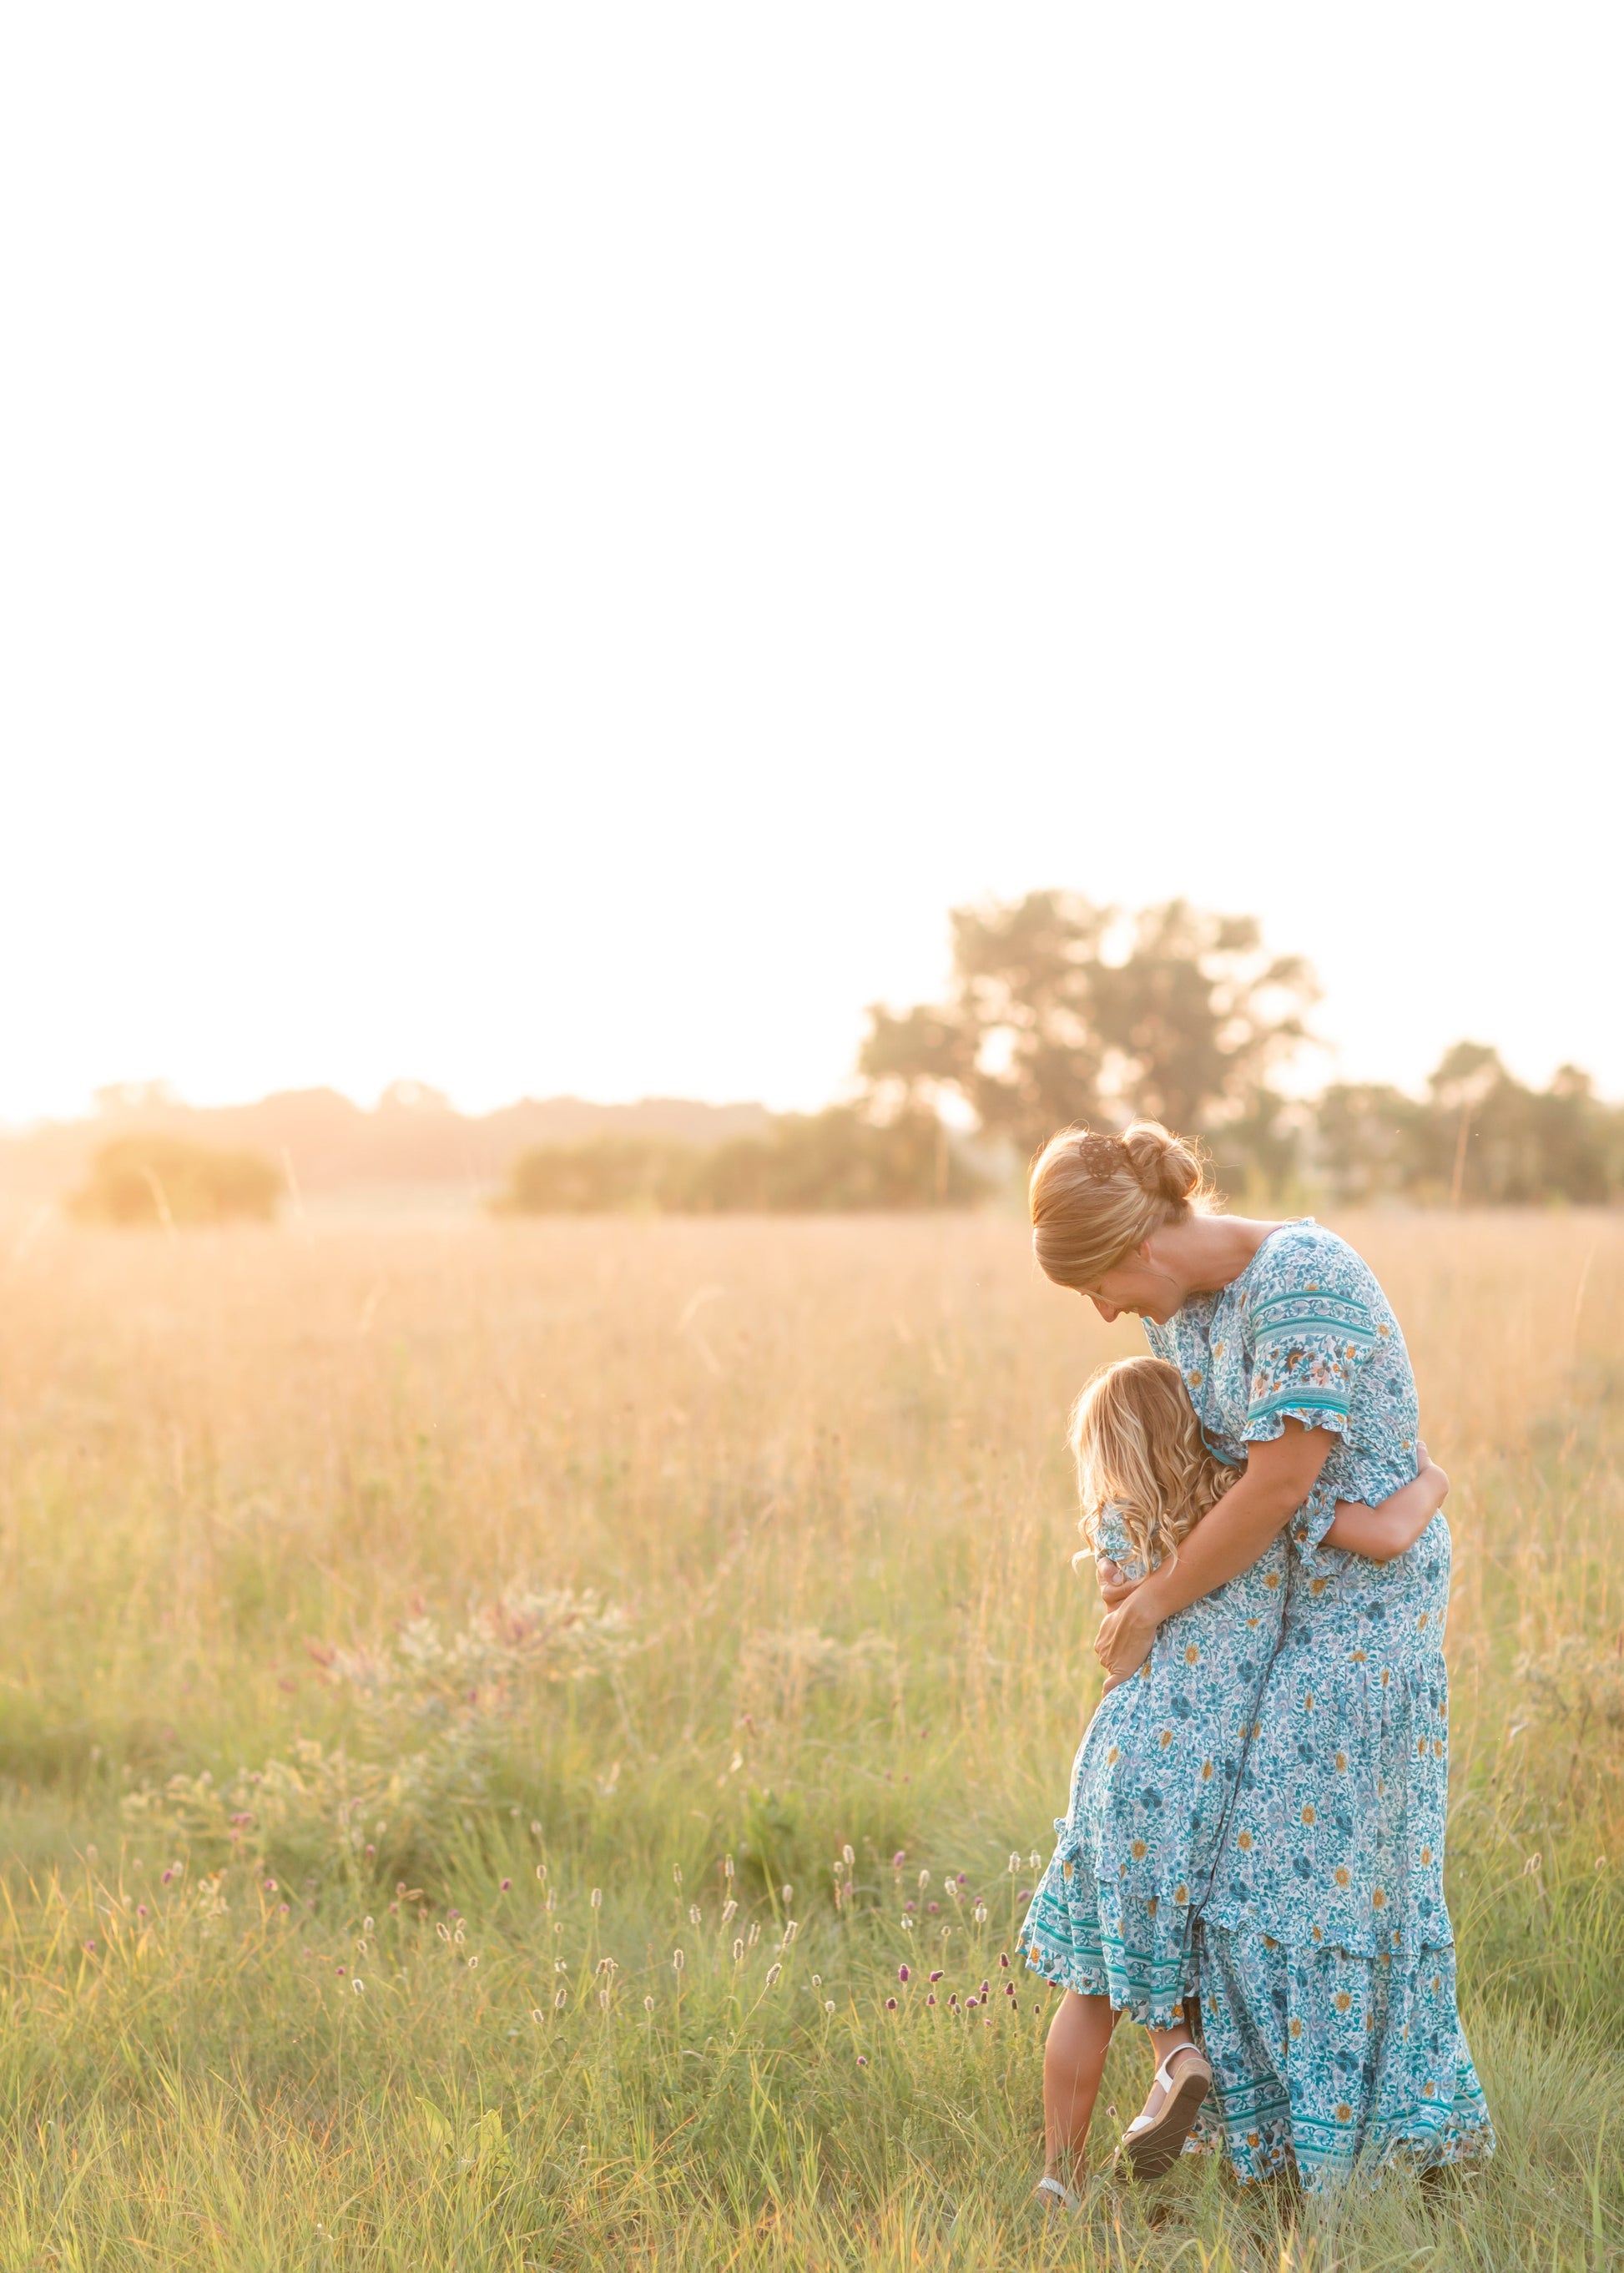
[[1125, 1637]]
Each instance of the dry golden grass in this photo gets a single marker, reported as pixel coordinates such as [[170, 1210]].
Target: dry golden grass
[[818, 1468]]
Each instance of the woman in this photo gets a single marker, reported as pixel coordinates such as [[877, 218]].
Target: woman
[[1328, 1962]]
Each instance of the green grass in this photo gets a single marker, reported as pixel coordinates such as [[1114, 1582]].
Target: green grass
[[784, 1570]]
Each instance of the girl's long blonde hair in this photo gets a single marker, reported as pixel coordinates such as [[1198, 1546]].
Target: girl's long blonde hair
[[1138, 1447]]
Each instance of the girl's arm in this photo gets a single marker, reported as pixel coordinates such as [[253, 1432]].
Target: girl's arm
[[1383, 1533], [1228, 1539]]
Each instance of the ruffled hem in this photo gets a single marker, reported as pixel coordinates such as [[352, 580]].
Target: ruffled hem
[[1342, 2064], [1133, 1949]]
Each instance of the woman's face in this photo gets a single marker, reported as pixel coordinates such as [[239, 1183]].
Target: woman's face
[[1138, 1285]]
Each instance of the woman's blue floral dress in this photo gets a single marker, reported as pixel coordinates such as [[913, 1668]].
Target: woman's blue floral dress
[[1325, 1952], [1151, 1782]]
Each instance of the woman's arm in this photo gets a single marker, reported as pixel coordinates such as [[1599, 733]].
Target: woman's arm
[[1383, 1533], [1228, 1539]]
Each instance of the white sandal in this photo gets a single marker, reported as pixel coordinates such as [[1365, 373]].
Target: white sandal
[[1152, 2144], [1051, 2197]]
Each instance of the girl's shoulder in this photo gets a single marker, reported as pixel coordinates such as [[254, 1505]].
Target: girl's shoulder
[[1112, 1544]]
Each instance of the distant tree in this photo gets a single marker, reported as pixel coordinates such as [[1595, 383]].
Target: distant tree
[[814, 1163], [1480, 1137], [1046, 1025], [603, 1175], [159, 1178]]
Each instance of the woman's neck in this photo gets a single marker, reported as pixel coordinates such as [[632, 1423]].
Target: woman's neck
[[1207, 1251]]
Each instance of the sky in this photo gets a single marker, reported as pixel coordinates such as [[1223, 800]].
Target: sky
[[543, 548]]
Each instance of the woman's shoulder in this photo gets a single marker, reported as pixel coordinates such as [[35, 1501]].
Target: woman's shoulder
[[1304, 1259]]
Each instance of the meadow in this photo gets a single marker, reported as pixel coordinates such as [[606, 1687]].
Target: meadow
[[502, 1725]]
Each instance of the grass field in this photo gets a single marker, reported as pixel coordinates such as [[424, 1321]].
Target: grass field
[[410, 1628]]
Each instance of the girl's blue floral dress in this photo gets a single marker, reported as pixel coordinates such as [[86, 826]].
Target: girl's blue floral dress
[[1152, 1778], [1325, 1952]]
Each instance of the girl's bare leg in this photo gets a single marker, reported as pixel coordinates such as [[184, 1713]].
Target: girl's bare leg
[[1163, 2044], [1078, 2038]]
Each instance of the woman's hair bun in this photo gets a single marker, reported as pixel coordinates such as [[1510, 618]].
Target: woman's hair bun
[[1164, 1166]]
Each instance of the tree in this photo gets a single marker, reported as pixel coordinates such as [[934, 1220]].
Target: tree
[[159, 1178], [1063, 1011]]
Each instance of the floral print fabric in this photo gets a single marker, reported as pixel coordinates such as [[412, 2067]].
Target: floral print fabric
[[1152, 1781], [1328, 1974]]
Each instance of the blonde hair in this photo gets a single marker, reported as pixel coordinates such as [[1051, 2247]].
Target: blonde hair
[[1095, 1198], [1139, 1448]]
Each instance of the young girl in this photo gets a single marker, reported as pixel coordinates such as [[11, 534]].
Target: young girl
[[1158, 1765]]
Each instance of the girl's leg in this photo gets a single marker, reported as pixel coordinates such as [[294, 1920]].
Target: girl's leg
[[1155, 2138], [1079, 2036]]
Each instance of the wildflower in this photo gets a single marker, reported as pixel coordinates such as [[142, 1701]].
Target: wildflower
[[898, 1859], [597, 1898], [284, 1911], [902, 1975], [1004, 1961], [729, 1910], [773, 1971], [930, 1999], [933, 1908], [560, 1965], [506, 1884], [890, 2004], [603, 1998], [1024, 1894], [936, 1976], [168, 1876], [755, 1932], [952, 2004], [91, 1948], [817, 1980], [140, 1909], [678, 1961], [459, 1936], [541, 1870], [847, 1858], [828, 2004], [558, 2002], [986, 1989], [693, 1914], [366, 1925], [535, 2015], [907, 1923], [862, 2060], [473, 1960], [338, 1970], [738, 1952], [727, 1868], [676, 1872], [980, 1914], [1013, 1865], [924, 1880], [269, 1886], [910, 1905], [357, 1984], [1034, 1860], [787, 1895], [792, 1927], [648, 2004]]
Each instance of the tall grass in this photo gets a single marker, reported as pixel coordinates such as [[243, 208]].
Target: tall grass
[[375, 1598]]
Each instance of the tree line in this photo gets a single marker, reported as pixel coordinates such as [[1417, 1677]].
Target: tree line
[[1058, 1010]]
